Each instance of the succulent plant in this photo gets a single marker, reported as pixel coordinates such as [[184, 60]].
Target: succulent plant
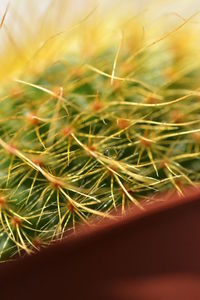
[[100, 127]]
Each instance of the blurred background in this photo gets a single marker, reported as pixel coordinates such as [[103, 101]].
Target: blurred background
[[26, 26], [185, 7]]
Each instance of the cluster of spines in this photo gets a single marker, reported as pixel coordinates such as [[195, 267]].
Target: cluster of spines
[[81, 147]]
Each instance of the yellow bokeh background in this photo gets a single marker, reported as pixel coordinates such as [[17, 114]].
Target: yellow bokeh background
[[34, 33]]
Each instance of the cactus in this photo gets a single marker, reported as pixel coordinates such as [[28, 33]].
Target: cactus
[[95, 130]]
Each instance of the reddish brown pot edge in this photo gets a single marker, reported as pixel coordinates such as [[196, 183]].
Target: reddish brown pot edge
[[157, 248]]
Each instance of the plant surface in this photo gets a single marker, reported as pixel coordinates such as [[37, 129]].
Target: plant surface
[[99, 128]]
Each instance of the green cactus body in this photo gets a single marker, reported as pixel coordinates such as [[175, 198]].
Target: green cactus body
[[87, 135]]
